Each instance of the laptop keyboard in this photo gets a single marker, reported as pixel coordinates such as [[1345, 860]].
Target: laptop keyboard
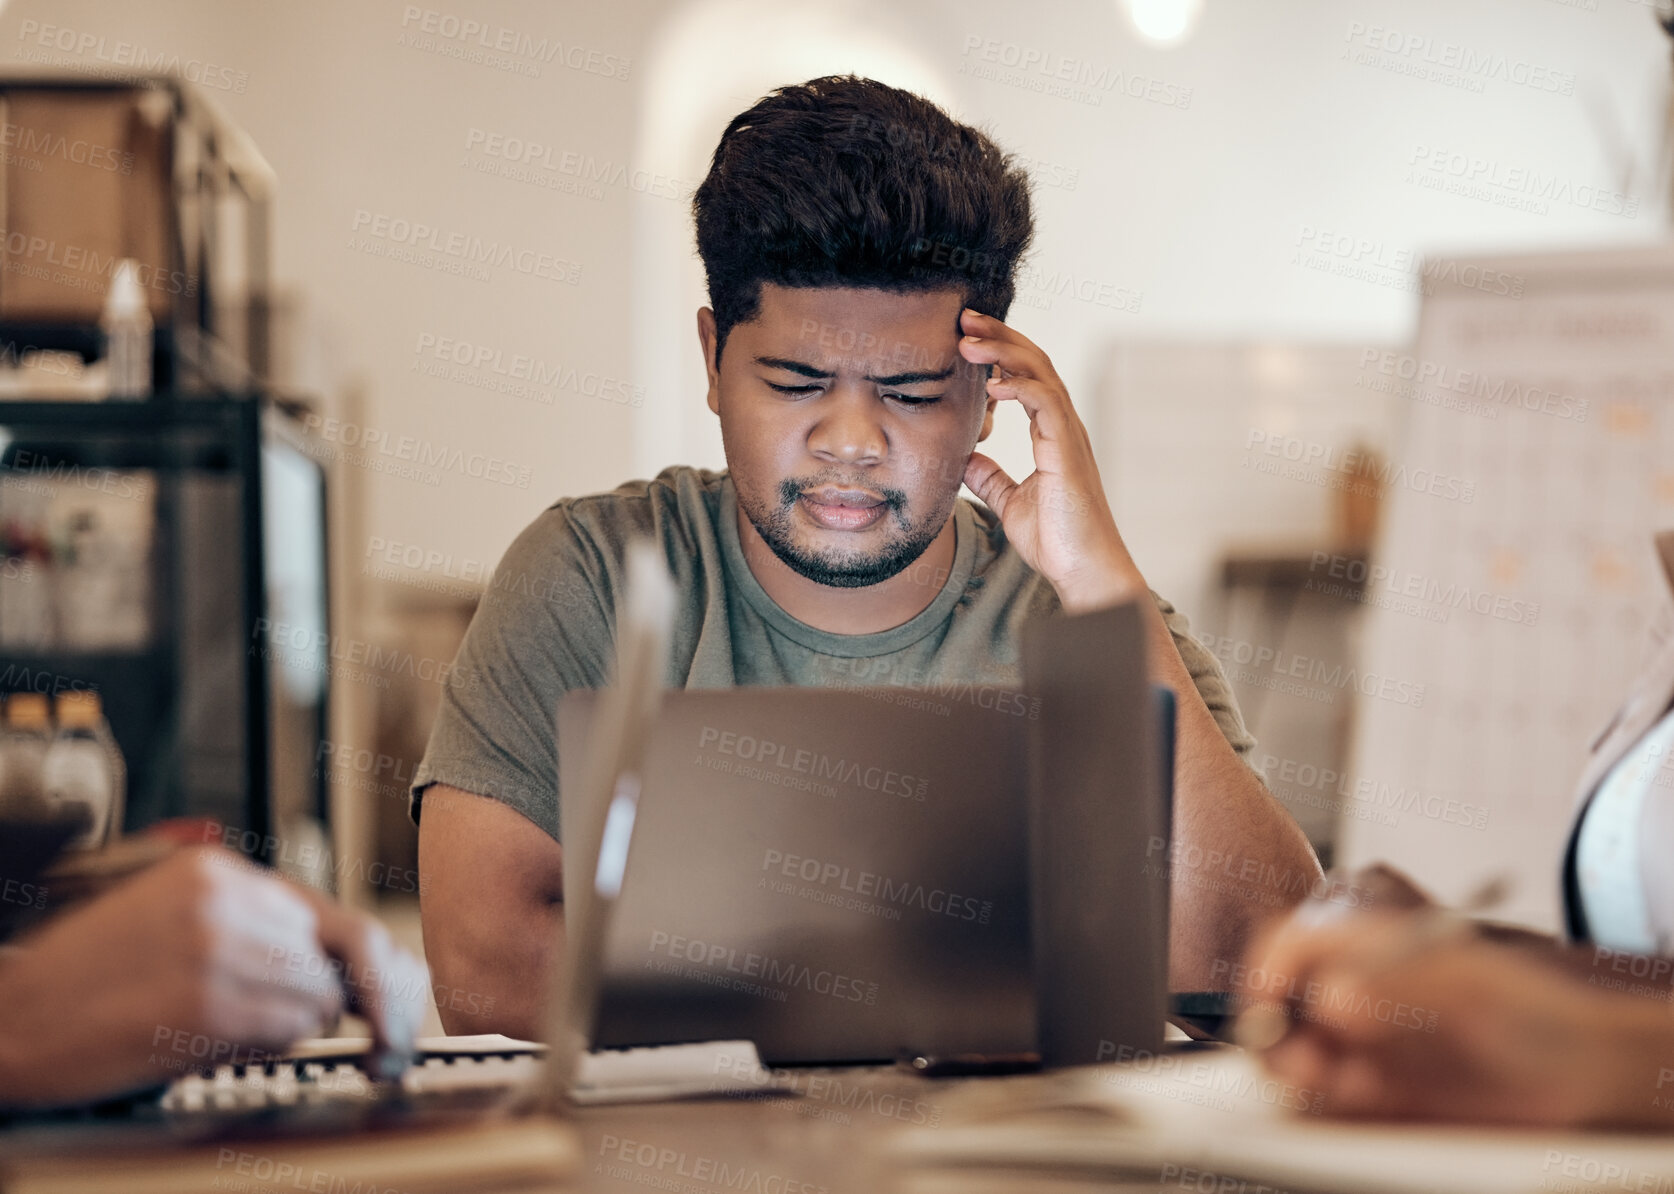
[[300, 1080], [326, 1071]]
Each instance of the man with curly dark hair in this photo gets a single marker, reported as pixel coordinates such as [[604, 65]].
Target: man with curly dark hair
[[861, 248]]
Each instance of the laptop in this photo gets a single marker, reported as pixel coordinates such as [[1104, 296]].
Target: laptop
[[845, 875]]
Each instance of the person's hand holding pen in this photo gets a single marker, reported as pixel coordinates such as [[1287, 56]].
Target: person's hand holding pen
[[1411, 1013], [198, 958]]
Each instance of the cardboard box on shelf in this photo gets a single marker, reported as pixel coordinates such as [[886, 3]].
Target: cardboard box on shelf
[[85, 179]]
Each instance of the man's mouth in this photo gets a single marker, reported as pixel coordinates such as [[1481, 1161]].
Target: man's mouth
[[858, 499], [843, 509]]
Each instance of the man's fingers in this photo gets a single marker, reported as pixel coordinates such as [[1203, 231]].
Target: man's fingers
[[975, 323], [1045, 405], [989, 482], [1016, 359], [1052, 416], [292, 959], [991, 341], [1060, 441], [395, 1005]]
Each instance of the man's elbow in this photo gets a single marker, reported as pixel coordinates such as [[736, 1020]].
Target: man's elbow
[[496, 982], [492, 911]]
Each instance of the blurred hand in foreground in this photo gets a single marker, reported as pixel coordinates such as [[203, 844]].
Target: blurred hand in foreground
[[201, 958], [1406, 1012]]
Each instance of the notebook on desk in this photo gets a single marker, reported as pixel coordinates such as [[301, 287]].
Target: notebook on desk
[[1214, 1120]]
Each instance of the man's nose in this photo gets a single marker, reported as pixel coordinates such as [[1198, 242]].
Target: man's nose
[[849, 429]]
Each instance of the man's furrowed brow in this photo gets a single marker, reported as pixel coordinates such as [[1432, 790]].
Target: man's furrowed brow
[[793, 366], [909, 379], [893, 379]]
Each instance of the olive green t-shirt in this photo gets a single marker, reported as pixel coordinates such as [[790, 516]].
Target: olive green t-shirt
[[546, 624]]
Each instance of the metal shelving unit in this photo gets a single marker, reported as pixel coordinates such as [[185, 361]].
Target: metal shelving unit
[[198, 708], [214, 717]]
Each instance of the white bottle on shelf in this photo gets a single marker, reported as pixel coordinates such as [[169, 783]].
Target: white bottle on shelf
[[127, 325], [83, 771], [25, 736]]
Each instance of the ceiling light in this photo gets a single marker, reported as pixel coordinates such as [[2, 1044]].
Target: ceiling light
[[1163, 22]]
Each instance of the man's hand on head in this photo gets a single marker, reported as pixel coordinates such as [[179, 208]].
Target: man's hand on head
[[1057, 517], [1058, 520]]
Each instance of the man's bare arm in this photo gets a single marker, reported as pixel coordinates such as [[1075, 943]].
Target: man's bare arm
[[1238, 856], [1060, 521], [491, 890]]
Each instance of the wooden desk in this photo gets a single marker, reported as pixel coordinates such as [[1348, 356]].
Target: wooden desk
[[1203, 1120], [832, 1137], [824, 1139], [1192, 1120]]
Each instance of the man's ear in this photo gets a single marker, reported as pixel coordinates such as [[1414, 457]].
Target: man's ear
[[708, 339], [987, 419]]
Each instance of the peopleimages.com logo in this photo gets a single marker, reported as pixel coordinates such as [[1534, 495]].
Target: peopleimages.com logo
[[1250, 661], [816, 765], [1313, 460], [1335, 574], [462, 248], [1422, 379], [110, 53], [500, 47], [757, 973], [843, 881]]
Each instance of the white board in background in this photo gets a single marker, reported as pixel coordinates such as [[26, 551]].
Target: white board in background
[[1566, 498]]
